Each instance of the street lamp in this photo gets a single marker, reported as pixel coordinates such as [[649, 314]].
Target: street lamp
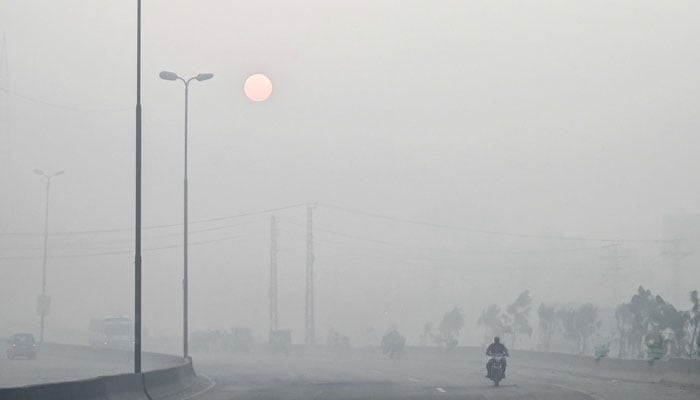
[[43, 306], [171, 76]]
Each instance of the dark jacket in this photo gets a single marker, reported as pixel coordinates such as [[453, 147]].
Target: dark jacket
[[496, 348]]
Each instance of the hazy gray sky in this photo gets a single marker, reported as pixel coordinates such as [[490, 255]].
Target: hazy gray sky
[[574, 118]]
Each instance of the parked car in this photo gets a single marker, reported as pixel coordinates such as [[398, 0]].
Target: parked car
[[21, 345]]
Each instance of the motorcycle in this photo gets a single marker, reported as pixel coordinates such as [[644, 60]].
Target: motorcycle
[[496, 367]]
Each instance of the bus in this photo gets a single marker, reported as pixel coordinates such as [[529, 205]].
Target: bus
[[113, 332]]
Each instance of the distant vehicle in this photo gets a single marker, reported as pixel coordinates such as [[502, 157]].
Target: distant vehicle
[[241, 339], [393, 345], [281, 341], [206, 341], [21, 345], [112, 332]]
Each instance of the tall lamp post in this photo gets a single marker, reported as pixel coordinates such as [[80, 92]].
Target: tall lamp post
[[171, 76], [43, 306]]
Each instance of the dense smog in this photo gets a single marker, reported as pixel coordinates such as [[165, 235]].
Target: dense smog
[[213, 200]]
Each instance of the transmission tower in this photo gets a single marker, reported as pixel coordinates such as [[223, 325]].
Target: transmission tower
[[309, 314], [675, 251], [614, 258]]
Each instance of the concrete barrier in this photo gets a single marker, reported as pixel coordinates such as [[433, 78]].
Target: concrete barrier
[[166, 382], [79, 352], [112, 356], [150, 385], [90, 389], [125, 387], [685, 366], [13, 394]]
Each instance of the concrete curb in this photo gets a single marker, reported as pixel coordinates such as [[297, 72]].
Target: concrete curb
[[169, 381], [125, 387], [150, 385]]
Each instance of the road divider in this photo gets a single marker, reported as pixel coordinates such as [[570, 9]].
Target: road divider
[[176, 377], [169, 381]]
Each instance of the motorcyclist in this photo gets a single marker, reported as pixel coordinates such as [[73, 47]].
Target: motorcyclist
[[495, 348]]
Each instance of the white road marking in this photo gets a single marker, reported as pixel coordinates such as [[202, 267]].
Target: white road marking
[[593, 396], [413, 379], [201, 392], [374, 371], [441, 390]]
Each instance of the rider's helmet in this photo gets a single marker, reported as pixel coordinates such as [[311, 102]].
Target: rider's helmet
[[497, 340]]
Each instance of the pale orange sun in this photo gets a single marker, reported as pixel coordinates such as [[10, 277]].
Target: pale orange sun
[[258, 87]]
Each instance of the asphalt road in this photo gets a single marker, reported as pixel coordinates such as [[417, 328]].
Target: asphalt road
[[352, 376], [369, 377]]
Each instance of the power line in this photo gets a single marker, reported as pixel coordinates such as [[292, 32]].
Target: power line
[[161, 226], [117, 252], [481, 231], [150, 238], [268, 211], [461, 261], [62, 106], [432, 262], [418, 247]]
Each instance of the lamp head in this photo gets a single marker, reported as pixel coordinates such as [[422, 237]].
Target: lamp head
[[167, 75], [204, 76], [39, 172]]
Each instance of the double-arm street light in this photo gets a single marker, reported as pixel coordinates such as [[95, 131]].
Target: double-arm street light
[[43, 305], [171, 76]]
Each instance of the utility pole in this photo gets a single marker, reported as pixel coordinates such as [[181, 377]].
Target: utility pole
[[137, 214], [273, 274], [614, 258], [310, 335], [5, 100], [675, 252], [44, 301], [4, 86]]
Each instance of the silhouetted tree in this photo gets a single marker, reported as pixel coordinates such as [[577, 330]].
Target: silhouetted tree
[[579, 324], [517, 316], [586, 322], [371, 336], [547, 325], [640, 307], [653, 320], [393, 344], [565, 317], [427, 336], [491, 320], [694, 320], [625, 326], [450, 326]]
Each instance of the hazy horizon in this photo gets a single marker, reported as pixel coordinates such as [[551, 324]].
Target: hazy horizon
[[506, 129]]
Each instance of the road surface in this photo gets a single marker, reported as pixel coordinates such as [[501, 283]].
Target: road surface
[[353, 377]]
